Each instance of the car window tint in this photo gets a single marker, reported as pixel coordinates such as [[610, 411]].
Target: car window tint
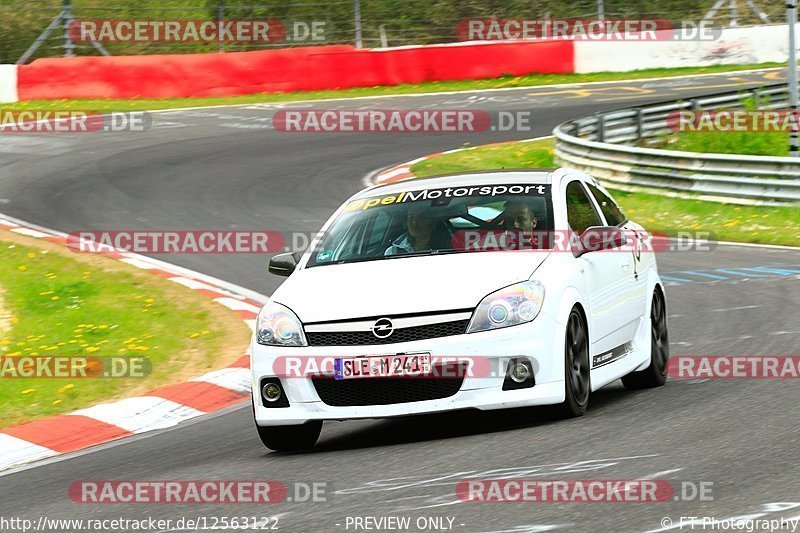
[[580, 211], [378, 229], [611, 211]]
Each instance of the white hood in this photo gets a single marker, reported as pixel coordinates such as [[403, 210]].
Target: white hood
[[403, 285]]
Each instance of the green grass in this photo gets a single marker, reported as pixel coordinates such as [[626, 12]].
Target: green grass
[[534, 154], [743, 143], [730, 142], [58, 303], [429, 87], [727, 222]]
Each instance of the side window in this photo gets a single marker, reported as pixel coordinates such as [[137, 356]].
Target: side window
[[580, 211], [610, 210]]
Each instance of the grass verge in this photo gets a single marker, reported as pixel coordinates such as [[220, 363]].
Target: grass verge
[[106, 105], [742, 142], [56, 302], [727, 222]]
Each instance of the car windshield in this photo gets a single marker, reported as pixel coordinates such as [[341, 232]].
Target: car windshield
[[437, 221]]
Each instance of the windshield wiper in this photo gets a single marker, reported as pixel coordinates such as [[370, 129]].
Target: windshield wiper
[[423, 253]]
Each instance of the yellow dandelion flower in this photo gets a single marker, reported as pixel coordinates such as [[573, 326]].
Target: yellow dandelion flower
[[22, 268], [28, 391]]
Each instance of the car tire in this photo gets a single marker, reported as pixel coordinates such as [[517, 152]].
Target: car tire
[[577, 380], [290, 438], [654, 375]]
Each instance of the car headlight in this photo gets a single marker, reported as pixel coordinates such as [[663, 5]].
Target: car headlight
[[516, 304], [277, 325]]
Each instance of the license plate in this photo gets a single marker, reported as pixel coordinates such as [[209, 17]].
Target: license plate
[[382, 366]]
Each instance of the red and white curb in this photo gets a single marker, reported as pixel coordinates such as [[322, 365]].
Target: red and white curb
[[158, 409], [397, 173]]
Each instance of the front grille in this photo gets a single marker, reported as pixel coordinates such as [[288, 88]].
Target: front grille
[[362, 338], [384, 391]]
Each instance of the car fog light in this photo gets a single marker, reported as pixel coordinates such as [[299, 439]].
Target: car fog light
[[271, 392], [520, 372]]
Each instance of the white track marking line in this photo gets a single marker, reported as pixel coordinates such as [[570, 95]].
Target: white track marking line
[[741, 308], [30, 232], [138, 263]]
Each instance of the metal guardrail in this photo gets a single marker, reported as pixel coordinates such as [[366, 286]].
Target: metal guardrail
[[605, 146]]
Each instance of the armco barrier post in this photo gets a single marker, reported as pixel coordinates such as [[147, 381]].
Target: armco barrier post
[[357, 15], [639, 124], [69, 46], [220, 18], [601, 128]]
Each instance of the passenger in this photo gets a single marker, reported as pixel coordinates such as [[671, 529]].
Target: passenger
[[520, 219], [519, 216]]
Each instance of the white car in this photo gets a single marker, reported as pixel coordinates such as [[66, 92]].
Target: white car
[[485, 290]]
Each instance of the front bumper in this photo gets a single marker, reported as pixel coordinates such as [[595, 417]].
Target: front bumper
[[539, 341]]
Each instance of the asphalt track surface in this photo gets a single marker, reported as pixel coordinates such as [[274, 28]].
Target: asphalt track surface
[[226, 168]]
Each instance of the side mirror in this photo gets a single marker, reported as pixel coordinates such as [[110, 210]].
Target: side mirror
[[597, 239], [283, 264]]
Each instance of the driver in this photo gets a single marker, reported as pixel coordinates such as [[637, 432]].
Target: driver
[[419, 235]]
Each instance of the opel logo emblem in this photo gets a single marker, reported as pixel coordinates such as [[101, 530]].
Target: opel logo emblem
[[383, 328]]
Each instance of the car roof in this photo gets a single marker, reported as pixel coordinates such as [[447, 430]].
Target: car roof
[[539, 176]]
